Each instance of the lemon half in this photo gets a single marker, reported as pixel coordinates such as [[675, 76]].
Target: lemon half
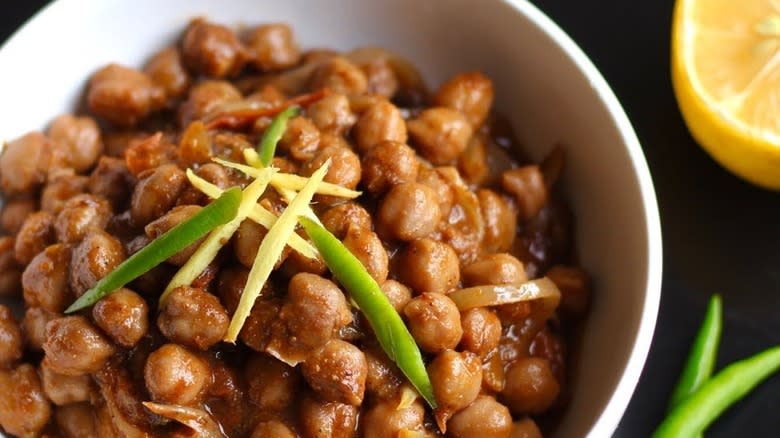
[[726, 76]]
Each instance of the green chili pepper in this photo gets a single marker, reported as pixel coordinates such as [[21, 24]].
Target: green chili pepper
[[390, 330], [701, 359], [219, 212], [267, 147], [701, 408]]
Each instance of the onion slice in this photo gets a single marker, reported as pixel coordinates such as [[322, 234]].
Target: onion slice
[[198, 420], [483, 296]]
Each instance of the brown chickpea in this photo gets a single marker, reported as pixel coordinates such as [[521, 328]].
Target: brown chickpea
[[81, 214], [339, 75], [193, 317], [174, 374], [34, 236], [531, 387], [337, 372], [434, 322], [156, 193], [24, 163], [14, 213], [124, 96], [273, 47], [574, 284], [11, 341], [398, 294], [383, 378], [24, 409], [271, 384], [75, 347], [34, 326], [212, 49], [380, 122], [77, 140], [301, 139], [45, 279], [94, 258], [76, 420], [440, 134], [111, 180], [408, 211], [123, 315], [59, 190], [169, 220], [319, 419], [527, 185], [338, 219], [272, 429], [332, 114], [456, 379], [367, 247], [344, 166], [204, 98], [470, 93], [485, 418], [481, 331], [500, 221], [427, 265], [388, 164], [525, 428], [500, 268], [385, 420], [166, 69], [10, 270], [62, 389], [257, 328]]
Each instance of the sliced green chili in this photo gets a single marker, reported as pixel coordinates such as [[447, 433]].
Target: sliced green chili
[[267, 147], [701, 408], [219, 212], [703, 354], [390, 330]]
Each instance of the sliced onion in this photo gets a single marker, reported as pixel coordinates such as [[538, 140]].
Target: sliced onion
[[200, 421], [483, 296]]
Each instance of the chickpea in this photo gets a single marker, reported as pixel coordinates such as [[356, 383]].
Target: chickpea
[[367, 247], [337, 372], [212, 49], [440, 134], [339, 75], [193, 317], [45, 279], [481, 331], [11, 342], [527, 185], [273, 47], [74, 347], [409, 211], [78, 141], [456, 379], [389, 164], [470, 93], [380, 122], [174, 374], [492, 269], [485, 418], [385, 420], [427, 265], [123, 315], [531, 387], [24, 409], [434, 322]]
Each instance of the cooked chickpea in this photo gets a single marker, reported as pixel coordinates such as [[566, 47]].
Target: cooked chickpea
[[77, 139], [257, 328], [485, 418], [531, 387], [273, 47], [193, 317], [79, 215], [398, 294], [481, 331], [382, 121], [427, 265], [212, 49], [124, 96], [166, 69], [525, 428], [45, 279], [385, 420], [319, 419], [383, 378], [73, 346], [456, 379], [14, 213], [470, 93], [301, 139], [271, 384], [34, 236], [440, 134], [169, 220], [367, 247], [389, 164], [527, 185], [24, 409], [111, 180], [408, 211], [24, 164], [11, 341], [59, 190], [94, 258], [499, 268], [340, 218], [272, 429], [34, 326], [344, 166], [337, 372], [574, 284], [62, 389], [10, 270], [500, 221], [123, 315], [332, 114], [339, 75], [434, 321], [156, 193], [204, 98], [174, 374]]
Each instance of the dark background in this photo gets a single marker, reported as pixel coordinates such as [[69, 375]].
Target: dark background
[[720, 234]]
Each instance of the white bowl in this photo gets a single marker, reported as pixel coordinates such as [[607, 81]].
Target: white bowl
[[545, 84]]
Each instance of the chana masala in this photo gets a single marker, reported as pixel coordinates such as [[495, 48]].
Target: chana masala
[[245, 239]]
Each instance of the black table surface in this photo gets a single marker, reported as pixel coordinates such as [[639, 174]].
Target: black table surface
[[719, 233]]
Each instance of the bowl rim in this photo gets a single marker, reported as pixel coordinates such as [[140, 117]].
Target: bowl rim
[[611, 415]]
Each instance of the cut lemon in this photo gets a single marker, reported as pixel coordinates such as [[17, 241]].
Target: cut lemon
[[726, 76]]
